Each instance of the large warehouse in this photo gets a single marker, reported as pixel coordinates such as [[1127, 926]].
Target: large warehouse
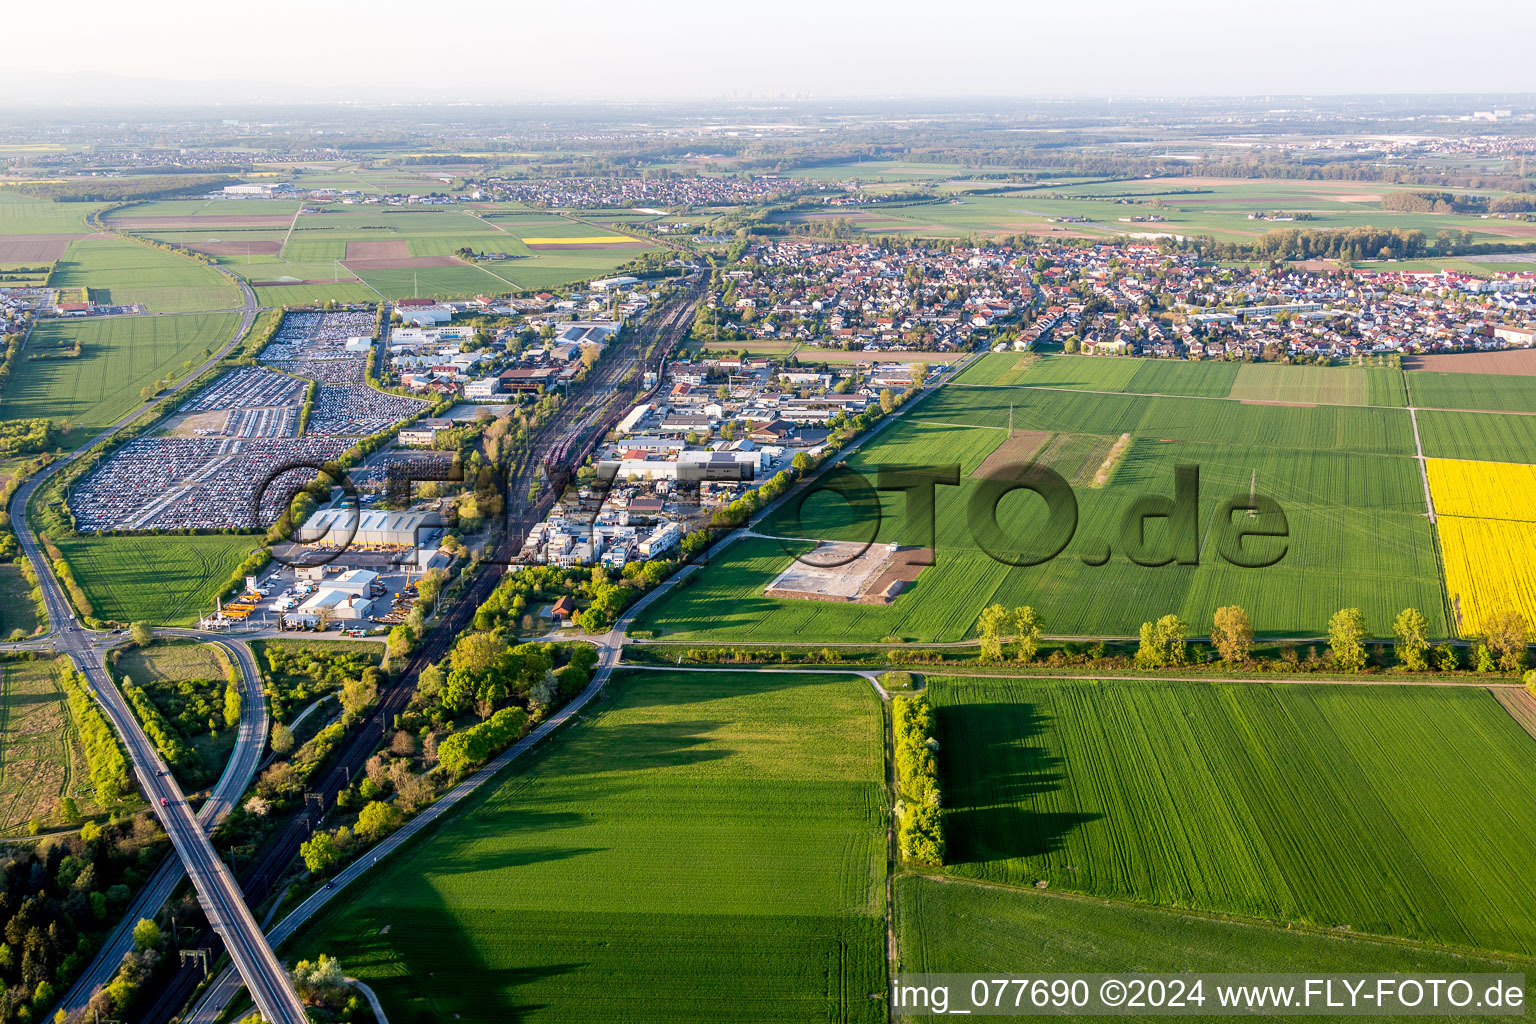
[[406, 529]]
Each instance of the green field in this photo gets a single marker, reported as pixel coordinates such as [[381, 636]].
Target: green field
[[954, 928], [121, 272], [169, 661], [703, 847], [1466, 435], [1245, 382], [163, 579], [40, 758], [17, 609], [119, 356], [23, 215], [1334, 806], [1219, 208], [1472, 391], [1353, 504]]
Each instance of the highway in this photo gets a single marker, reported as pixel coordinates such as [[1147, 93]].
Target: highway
[[591, 407], [250, 741], [216, 889]]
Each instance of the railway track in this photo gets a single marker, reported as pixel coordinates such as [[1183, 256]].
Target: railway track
[[597, 405]]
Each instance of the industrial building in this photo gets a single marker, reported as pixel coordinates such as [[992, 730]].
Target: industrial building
[[398, 529]]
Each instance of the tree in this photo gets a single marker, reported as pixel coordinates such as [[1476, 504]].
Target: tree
[[146, 934], [1346, 638], [70, 811], [1163, 643], [1412, 632], [357, 695], [1232, 634], [400, 640], [231, 705], [887, 401], [258, 806], [320, 982], [324, 850], [279, 780], [377, 820], [1508, 639], [800, 463], [1026, 633], [142, 633], [282, 738], [994, 620]]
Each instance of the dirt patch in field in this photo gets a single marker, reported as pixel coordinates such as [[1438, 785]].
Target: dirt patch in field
[[266, 248], [34, 248], [378, 251], [617, 243], [260, 220], [1016, 449], [1292, 405], [285, 282], [1520, 705], [899, 574], [1514, 362], [358, 266], [1507, 228], [1315, 266]]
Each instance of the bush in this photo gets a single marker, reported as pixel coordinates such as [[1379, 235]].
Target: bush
[[471, 747]]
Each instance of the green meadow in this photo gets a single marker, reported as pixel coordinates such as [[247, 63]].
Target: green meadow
[[946, 927], [1333, 806], [702, 846], [1347, 486], [164, 579]]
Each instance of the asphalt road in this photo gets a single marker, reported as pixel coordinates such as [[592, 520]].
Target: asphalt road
[[216, 888], [250, 741]]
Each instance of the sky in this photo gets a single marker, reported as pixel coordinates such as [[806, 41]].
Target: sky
[[513, 50]]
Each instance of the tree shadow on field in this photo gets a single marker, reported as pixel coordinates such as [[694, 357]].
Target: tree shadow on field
[[430, 968], [659, 688], [998, 776]]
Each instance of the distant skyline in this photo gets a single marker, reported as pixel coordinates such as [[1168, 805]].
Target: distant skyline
[[390, 51]]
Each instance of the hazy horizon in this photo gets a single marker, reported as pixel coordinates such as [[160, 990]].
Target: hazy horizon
[[693, 51]]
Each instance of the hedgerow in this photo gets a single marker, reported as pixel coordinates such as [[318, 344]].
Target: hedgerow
[[921, 836]]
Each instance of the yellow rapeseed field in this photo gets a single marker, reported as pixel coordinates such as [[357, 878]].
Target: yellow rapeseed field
[[1487, 523], [1483, 490]]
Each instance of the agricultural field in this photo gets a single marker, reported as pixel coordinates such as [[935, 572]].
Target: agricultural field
[[23, 215], [18, 612], [948, 927], [1332, 806], [119, 357], [167, 580], [359, 253], [1352, 499], [41, 760], [1219, 207], [1478, 437], [706, 846], [1476, 391], [1487, 523], [120, 272], [1245, 382]]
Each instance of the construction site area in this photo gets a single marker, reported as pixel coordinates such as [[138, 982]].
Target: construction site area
[[851, 572]]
